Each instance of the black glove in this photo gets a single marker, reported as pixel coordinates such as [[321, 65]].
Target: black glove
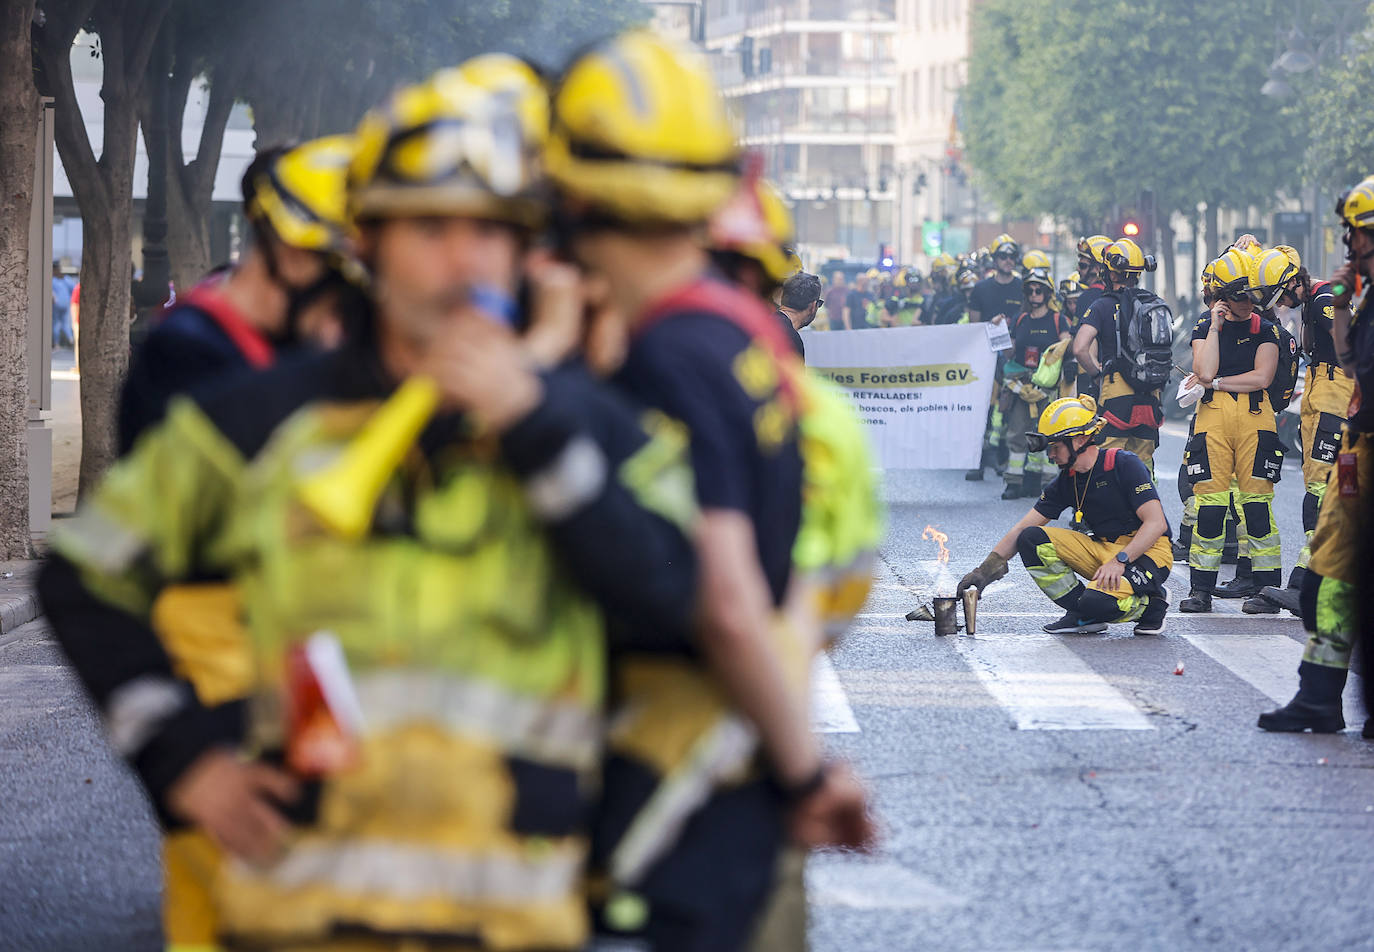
[[993, 568]]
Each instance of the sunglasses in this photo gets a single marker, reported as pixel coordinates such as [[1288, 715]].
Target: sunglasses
[[1236, 297], [1037, 290], [1004, 256]]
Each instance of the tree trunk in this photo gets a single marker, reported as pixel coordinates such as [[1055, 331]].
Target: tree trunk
[[104, 192], [18, 128], [1213, 234], [1166, 251], [1196, 261]]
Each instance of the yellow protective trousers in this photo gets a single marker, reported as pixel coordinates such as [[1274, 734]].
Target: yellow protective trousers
[[1234, 445], [1325, 403], [1056, 558]]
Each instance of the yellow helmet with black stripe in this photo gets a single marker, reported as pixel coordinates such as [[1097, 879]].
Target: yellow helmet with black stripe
[[1035, 258], [1273, 271], [300, 196], [1071, 287], [1068, 417], [640, 133], [446, 146], [1090, 249], [1356, 206], [1124, 256], [1234, 273]]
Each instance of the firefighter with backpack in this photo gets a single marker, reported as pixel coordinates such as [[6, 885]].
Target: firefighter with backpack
[[1325, 403], [1039, 338], [1235, 357], [1133, 330]]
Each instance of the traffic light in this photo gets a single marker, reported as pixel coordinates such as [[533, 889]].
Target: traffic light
[[1130, 228]]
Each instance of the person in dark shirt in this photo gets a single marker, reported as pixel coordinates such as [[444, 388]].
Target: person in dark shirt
[[1127, 556], [801, 300], [712, 363], [1234, 435], [1325, 403], [1333, 612], [998, 299], [1034, 331], [856, 304], [240, 319]]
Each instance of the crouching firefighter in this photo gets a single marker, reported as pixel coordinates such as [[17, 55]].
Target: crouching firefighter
[[1127, 556]]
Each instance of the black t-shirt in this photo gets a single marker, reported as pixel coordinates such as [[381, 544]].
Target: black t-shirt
[[703, 370], [186, 349], [1362, 343], [857, 304], [1110, 497], [1101, 316], [947, 308], [1318, 315], [1032, 336], [990, 298], [793, 337], [1238, 347]]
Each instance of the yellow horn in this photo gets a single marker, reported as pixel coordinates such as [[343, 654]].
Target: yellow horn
[[343, 495]]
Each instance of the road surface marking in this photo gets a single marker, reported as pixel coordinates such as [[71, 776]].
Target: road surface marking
[[1269, 664], [830, 710], [872, 883], [1044, 686]]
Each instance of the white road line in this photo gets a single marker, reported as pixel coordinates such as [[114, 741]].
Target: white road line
[[1269, 664], [860, 882], [830, 710], [1045, 686]]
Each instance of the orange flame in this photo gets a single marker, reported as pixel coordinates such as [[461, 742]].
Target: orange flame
[[940, 539]]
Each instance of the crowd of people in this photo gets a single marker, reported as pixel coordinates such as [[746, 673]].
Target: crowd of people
[[1104, 349], [474, 532]]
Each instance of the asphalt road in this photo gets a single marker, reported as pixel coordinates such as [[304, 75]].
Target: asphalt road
[[1035, 792]]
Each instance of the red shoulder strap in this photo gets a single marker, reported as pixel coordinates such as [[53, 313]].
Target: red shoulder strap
[[730, 304], [255, 347], [1110, 459]]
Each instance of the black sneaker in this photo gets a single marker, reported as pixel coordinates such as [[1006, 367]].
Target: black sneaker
[[1012, 490], [1152, 622], [1197, 603], [1259, 605], [1239, 587], [1071, 624]]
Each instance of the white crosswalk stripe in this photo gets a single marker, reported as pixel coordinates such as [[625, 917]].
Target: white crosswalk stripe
[[1045, 686], [830, 710]]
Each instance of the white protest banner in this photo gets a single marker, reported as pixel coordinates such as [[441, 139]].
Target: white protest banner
[[922, 392]]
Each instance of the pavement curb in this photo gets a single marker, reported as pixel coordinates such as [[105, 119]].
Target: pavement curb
[[18, 601]]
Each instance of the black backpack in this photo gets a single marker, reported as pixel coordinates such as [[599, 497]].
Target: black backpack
[[1145, 333], [1286, 375]]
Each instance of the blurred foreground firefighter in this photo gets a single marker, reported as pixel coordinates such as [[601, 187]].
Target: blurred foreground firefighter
[[418, 524], [1133, 332], [642, 155], [244, 320], [285, 287], [1119, 539], [1330, 596]]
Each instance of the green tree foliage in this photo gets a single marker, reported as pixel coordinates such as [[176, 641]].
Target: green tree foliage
[[1336, 102], [1074, 106]]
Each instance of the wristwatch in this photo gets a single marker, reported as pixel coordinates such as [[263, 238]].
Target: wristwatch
[[1123, 558], [1216, 383]]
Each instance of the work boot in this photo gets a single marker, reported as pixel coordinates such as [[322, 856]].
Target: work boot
[[1071, 624], [1260, 604], [1289, 597], [1031, 485], [974, 475], [1013, 489], [1242, 586], [1197, 603], [1317, 705], [1183, 544], [1152, 622], [1368, 732]]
